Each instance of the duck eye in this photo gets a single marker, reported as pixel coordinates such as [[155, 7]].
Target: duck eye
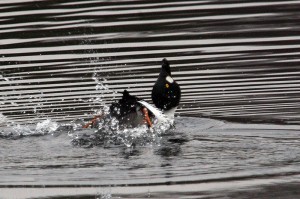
[[167, 86]]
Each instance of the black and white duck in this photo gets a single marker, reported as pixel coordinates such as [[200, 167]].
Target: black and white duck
[[166, 91], [131, 111]]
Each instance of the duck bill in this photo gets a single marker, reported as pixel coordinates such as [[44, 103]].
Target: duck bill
[[146, 117]]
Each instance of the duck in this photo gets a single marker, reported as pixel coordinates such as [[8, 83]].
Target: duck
[[131, 111], [166, 92]]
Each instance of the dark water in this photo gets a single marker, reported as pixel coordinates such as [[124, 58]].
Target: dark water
[[235, 61], [199, 158]]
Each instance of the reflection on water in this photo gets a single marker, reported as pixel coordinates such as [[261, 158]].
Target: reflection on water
[[234, 60]]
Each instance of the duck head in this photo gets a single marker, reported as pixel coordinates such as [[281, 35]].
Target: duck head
[[166, 92]]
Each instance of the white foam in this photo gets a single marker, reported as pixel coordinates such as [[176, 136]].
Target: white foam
[[46, 127], [3, 119], [170, 113]]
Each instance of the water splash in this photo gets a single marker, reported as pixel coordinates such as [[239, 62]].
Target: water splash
[[102, 88], [104, 195], [109, 132], [5, 78], [46, 127], [3, 120], [16, 131]]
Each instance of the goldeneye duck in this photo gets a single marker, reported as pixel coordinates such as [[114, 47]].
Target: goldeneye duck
[[166, 91], [131, 111]]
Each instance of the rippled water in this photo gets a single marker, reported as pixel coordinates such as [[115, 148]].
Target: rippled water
[[235, 61], [200, 157]]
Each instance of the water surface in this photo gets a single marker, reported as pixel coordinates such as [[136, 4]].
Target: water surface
[[237, 63], [233, 59], [200, 157]]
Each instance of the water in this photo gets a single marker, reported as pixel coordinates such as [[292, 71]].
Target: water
[[237, 63], [200, 157]]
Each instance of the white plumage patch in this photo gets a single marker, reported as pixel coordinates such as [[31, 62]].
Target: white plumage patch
[[169, 79], [158, 114], [166, 118]]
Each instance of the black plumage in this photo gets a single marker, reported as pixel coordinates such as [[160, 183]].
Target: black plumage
[[128, 111], [166, 92], [127, 104]]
